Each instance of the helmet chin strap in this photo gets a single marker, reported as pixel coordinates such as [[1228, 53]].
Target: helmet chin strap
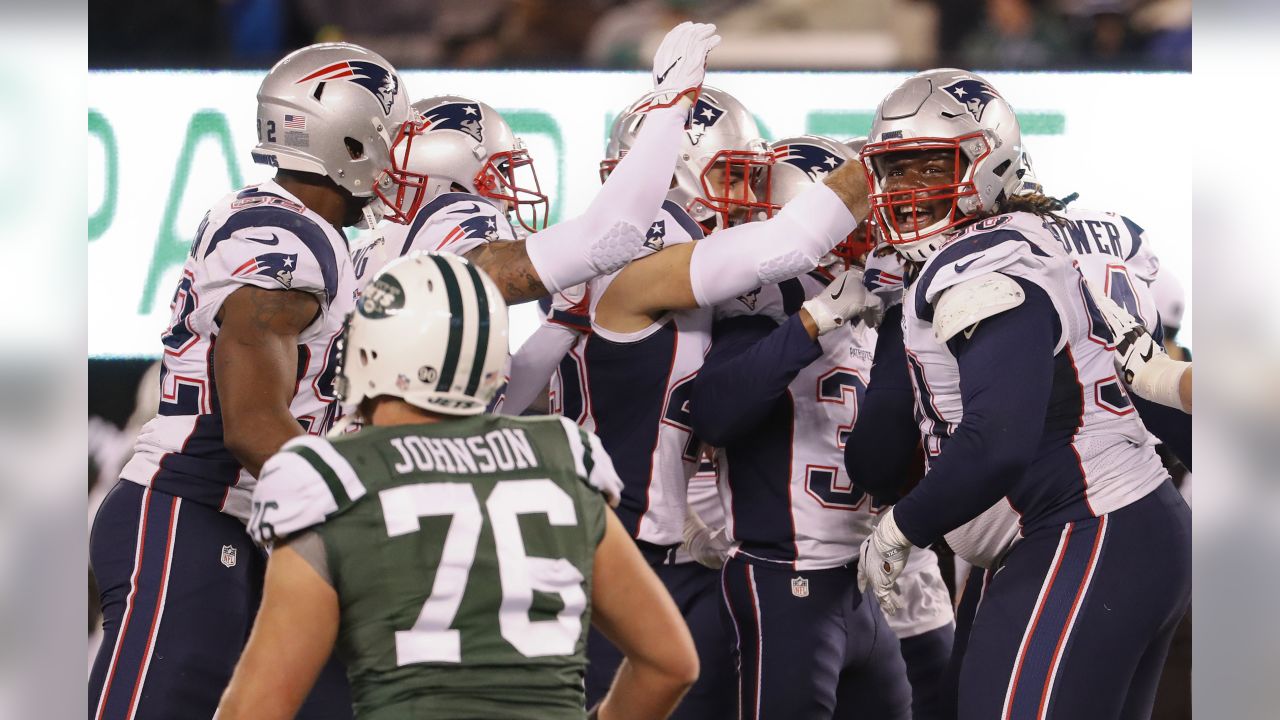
[[371, 218]]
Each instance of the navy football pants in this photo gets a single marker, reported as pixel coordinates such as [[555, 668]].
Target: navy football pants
[[179, 584], [1077, 621], [696, 591], [810, 646]]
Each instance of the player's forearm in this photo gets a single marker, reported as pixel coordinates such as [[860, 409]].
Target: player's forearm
[[997, 440], [609, 233], [644, 691], [742, 380], [849, 182], [741, 258], [533, 364], [509, 266]]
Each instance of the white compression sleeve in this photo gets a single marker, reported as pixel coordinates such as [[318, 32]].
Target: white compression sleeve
[[1160, 380], [742, 258], [611, 231], [533, 363]]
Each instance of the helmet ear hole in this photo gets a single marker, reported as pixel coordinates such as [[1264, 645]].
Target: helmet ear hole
[[354, 148], [364, 357]]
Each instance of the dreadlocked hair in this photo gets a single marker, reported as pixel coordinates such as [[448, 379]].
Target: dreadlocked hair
[[1035, 203]]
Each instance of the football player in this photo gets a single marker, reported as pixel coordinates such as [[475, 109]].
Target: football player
[[776, 395], [649, 327], [248, 364], [461, 171], [451, 556], [1077, 621]]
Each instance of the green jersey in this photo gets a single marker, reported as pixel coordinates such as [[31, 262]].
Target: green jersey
[[462, 555]]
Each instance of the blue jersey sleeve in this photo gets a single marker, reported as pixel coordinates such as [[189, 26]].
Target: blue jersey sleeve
[[1171, 425], [751, 363], [1000, 433], [885, 439]]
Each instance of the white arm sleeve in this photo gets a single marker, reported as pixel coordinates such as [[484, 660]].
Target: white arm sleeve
[[743, 258], [611, 231], [533, 363]]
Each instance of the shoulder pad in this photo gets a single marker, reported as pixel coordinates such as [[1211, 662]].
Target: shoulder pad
[[973, 256], [965, 304], [301, 486], [275, 246], [457, 222], [591, 462]]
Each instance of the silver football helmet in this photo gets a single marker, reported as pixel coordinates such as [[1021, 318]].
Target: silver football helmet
[[722, 158], [798, 163], [430, 329], [944, 109], [457, 142], [332, 109]]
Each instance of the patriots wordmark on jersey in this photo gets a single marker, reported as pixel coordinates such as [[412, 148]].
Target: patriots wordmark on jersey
[[462, 553], [262, 237]]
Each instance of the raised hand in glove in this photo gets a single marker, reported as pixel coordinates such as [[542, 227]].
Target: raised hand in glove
[[680, 64]]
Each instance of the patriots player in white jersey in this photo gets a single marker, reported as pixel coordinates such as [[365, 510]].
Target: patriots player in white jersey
[[649, 326], [776, 396], [248, 364], [1077, 621]]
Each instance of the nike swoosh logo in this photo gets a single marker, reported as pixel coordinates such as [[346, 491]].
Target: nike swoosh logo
[[273, 241], [1151, 350], [836, 295], [663, 76], [469, 211], [962, 266]]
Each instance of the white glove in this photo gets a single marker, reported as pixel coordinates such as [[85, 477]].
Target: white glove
[[708, 547], [1141, 362], [681, 62], [884, 555], [841, 300]]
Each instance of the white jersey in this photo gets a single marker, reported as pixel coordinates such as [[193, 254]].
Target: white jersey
[[631, 389], [1106, 461], [787, 497], [1115, 257], [452, 222], [264, 237]]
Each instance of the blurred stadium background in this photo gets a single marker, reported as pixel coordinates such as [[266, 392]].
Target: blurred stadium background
[[171, 84]]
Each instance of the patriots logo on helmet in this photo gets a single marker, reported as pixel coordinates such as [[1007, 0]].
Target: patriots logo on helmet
[[654, 238], [277, 266], [379, 81], [750, 299], [463, 117], [973, 94], [812, 159], [705, 115]]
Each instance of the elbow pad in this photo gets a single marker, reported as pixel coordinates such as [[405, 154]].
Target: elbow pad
[[743, 258]]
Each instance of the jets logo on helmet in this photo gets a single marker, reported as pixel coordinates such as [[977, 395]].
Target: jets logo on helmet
[[379, 81], [705, 115], [462, 117], [815, 161], [973, 94]]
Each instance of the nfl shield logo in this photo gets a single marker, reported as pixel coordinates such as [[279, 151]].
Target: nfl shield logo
[[229, 558], [800, 586]]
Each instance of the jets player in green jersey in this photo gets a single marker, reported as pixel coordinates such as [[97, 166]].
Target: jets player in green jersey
[[453, 558]]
